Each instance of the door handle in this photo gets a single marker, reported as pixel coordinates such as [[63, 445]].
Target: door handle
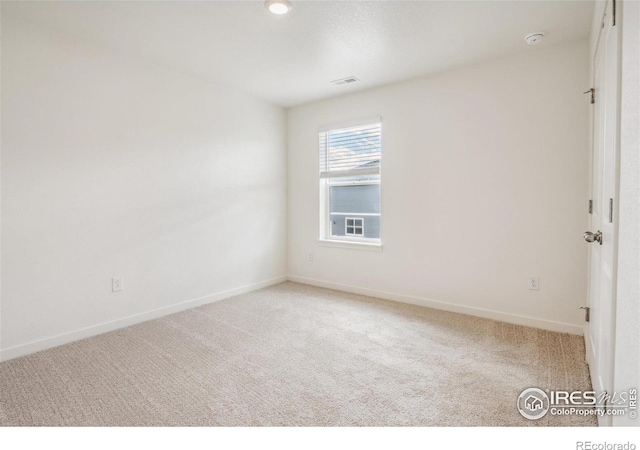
[[593, 237]]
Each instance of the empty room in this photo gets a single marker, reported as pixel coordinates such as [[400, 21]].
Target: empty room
[[320, 214]]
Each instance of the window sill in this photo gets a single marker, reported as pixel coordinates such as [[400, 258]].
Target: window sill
[[366, 246]]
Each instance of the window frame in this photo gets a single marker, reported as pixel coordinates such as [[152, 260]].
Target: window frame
[[325, 228]]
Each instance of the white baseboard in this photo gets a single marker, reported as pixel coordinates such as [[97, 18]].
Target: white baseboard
[[83, 333], [560, 327], [94, 330]]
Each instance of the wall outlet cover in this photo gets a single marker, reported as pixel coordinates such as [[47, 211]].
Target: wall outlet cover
[[117, 284]]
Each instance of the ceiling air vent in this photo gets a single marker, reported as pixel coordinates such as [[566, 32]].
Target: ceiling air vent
[[344, 81]]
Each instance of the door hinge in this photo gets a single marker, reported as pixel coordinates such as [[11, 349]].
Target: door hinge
[[613, 13], [591, 91], [610, 210], [590, 206], [587, 313]]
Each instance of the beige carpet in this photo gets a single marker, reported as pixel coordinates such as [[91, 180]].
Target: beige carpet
[[296, 355]]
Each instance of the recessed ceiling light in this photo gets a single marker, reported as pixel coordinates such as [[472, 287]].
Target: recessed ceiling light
[[278, 7], [533, 38]]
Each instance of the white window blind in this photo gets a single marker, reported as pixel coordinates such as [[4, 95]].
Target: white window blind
[[349, 152]]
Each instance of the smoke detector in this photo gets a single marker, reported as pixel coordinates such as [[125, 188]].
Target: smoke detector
[[533, 38], [343, 81]]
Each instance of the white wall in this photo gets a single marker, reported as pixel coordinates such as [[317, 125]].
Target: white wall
[[627, 341], [485, 182], [115, 167]]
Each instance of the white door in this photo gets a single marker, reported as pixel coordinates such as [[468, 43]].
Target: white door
[[599, 331]]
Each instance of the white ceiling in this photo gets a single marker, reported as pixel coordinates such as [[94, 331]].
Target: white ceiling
[[289, 60]]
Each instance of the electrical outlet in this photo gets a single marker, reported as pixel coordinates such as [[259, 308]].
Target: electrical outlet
[[534, 283], [311, 256], [117, 284]]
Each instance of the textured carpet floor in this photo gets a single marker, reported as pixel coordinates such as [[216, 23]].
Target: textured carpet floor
[[296, 355]]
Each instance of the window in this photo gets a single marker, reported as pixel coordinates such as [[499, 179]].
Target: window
[[350, 158], [355, 226]]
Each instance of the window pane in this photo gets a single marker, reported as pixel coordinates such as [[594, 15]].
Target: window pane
[[360, 202], [359, 199]]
